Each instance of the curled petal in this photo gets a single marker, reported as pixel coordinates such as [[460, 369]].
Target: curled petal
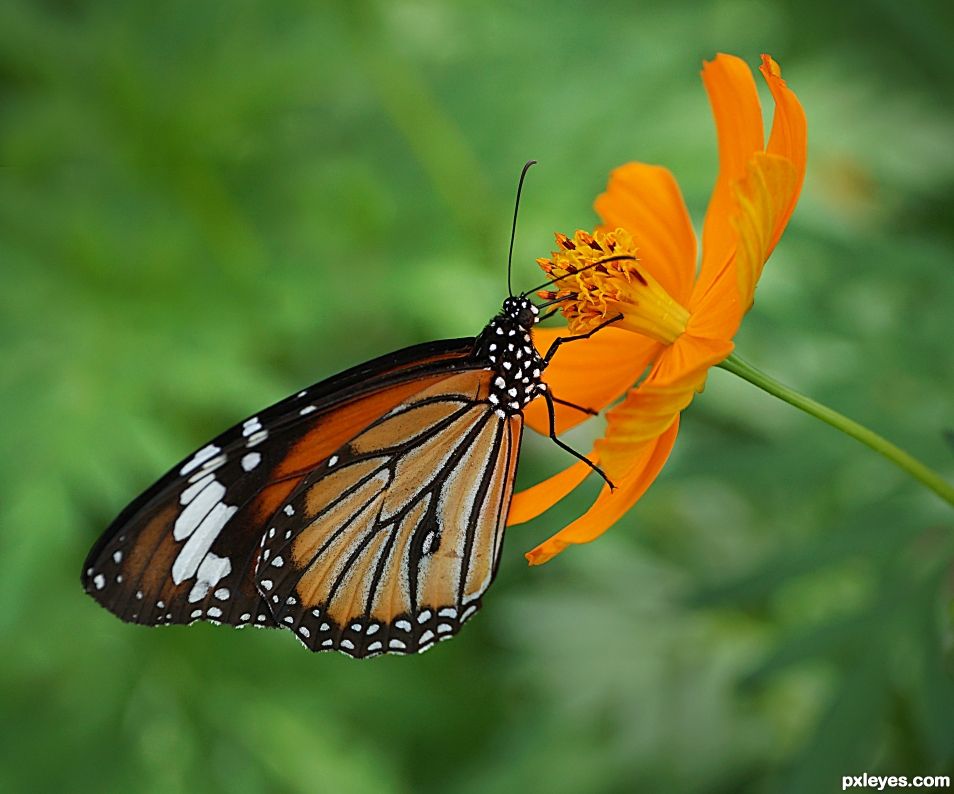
[[738, 118], [645, 414], [609, 506], [646, 201], [788, 139], [764, 201], [591, 373], [752, 201]]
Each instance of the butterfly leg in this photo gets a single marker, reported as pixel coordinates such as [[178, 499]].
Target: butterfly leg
[[564, 339], [580, 408], [553, 435]]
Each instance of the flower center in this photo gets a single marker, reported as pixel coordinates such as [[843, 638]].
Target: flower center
[[591, 293]]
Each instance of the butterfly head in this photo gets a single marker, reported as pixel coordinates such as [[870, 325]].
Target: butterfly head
[[521, 311]]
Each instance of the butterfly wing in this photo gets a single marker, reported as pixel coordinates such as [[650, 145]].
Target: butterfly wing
[[186, 549], [390, 544]]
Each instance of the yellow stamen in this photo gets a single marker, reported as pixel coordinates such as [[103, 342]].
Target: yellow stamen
[[592, 296]]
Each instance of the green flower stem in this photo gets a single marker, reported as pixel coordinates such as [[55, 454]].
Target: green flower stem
[[897, 456]]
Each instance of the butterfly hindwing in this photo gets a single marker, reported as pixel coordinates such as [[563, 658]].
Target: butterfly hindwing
[[389, 545]]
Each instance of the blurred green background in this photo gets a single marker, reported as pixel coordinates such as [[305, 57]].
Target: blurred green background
[[205, 206]]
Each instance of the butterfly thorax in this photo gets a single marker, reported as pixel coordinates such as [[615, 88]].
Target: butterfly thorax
[[507, 347]]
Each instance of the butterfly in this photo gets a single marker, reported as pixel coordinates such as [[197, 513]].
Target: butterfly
[[365, 514]]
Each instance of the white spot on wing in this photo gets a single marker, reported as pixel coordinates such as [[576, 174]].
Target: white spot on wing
[[200, 541], [251, 460], [211, 465], [256, 438], [199, 506], [212, 569], [197, 487], [203, 454]]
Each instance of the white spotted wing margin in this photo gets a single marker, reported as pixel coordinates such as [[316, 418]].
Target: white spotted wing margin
[[186, 549], [389, 547]]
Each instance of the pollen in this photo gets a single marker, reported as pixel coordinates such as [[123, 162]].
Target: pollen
[[591, 291]]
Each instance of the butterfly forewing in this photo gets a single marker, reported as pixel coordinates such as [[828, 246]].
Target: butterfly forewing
[[389, 545], [186, 549]]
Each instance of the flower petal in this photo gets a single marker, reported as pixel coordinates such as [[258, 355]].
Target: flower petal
[[738, 118], [646, 201], [609, 506], [687, 362], [764, 200], [539, 498], [588, 372], [789, 136], [644, 414]]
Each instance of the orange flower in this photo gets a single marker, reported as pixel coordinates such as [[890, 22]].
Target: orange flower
[[676, 323]]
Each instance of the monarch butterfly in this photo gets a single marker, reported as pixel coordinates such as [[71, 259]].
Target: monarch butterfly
[[365, 513]]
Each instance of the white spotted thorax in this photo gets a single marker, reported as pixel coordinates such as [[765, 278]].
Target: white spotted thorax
[[507, 345]]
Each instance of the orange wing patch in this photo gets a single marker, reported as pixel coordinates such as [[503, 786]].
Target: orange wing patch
[[330, 432]]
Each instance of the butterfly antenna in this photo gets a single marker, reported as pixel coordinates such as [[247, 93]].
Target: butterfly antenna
[[615, 258], [513, 229]]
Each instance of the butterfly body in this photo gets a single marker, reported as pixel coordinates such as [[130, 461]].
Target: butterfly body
[[365, 513]]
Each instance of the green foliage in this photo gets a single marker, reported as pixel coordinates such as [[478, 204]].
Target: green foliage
[[205, 206]]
